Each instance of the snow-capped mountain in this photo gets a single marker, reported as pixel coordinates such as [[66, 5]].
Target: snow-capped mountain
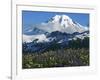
[[62, 23], [56, 28]]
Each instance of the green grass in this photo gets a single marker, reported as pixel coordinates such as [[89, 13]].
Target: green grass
[[56, 58]]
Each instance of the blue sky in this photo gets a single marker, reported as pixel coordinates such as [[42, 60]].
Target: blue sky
[[33, 17]]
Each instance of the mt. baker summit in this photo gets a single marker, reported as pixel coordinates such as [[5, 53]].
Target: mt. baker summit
[[64, 23]]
